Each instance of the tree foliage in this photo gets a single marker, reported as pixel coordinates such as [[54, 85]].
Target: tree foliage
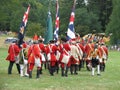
[[35, 28], [94, 16], [114, 27]]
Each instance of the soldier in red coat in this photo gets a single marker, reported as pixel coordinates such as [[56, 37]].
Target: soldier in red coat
[[95, 60], [42, 51], [51, 50], [75, 57], [12, 57], [35, 37], [104, 56], [82, 51], [64, 57], [34, 57], [88, 49]]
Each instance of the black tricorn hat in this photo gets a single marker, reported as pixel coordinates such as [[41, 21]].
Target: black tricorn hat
[[51, 41], [63, 39]]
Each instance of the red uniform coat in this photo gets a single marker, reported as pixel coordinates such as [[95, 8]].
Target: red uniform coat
[[51, 50], [100, 52], [42, 47], [35, 37], [33, 52], [13, 51], [105, 50], [42, 51], [81, 49], [88, 49], [64, 49]]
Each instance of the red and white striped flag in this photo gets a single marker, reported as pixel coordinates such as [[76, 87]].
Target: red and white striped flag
[[56, 21], [25, 17], [23, 26]]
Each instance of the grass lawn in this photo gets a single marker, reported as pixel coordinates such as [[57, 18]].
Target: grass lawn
[[109, 80]]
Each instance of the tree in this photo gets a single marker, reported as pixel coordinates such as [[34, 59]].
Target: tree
[[33, 28], [114, 27], [97, 12], [103, 9], [6, 13], [87, 21]]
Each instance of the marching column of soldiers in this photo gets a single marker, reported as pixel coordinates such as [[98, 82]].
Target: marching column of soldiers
[[58, 55]]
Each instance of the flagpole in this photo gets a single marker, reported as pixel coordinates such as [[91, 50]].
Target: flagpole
[[56, 31], [74, 4]]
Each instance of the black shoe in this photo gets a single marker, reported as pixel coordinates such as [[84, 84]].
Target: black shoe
[[76, 73], [98, 74], [9, 73], [30, 74], [71, 73], [41, 72], [38, 74], [66, 75], [57, 72], [62, 75], [51, 74]]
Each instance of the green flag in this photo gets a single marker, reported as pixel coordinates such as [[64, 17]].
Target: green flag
[[49, 30]]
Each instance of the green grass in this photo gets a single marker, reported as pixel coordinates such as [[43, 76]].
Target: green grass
[[109, 80]]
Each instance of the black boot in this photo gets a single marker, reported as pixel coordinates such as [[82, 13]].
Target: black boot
[[38, 74], [18, 68], [10, 67], [71, 69], [57, 69], [40, 71], [30, 74], [45, 66], [80, 66], [82, 63], [51, 71], [66, 71], [103, 67], [75, 71], [62, 70]]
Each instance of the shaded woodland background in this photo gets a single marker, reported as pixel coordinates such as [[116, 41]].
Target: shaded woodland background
[[99, 16]]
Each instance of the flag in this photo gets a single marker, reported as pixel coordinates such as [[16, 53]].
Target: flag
[[71, 31], [56, 22], [23, 26], [49, 30]]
